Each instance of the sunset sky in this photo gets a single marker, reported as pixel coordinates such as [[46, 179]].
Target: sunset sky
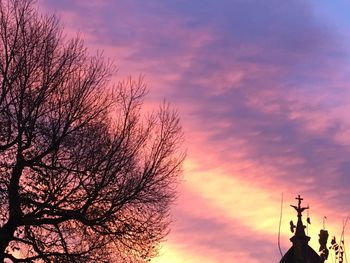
[[263, 91]]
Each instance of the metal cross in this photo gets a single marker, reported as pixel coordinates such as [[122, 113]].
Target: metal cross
[[299, 200]]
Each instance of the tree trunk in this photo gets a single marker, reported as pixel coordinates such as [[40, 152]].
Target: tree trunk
[[8, 229], [6, 235]]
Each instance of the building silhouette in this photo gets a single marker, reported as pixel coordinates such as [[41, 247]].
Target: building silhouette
[[300, 252]]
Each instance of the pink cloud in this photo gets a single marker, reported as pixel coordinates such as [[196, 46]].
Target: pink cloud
[[264, 102]]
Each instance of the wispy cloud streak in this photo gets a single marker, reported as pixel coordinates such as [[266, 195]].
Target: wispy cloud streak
[[263, 93]]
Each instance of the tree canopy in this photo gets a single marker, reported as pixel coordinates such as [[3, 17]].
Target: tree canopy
[[85, 176]]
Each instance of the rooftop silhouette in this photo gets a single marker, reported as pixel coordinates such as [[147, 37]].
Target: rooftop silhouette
[[300, 252]]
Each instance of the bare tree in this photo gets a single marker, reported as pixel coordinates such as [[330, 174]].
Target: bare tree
[[84, 175]]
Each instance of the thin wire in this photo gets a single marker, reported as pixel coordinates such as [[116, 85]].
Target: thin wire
[[342, 237], [279, 227], [308, 218]]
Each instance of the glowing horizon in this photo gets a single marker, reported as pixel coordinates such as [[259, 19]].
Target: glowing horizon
[[262, 90]]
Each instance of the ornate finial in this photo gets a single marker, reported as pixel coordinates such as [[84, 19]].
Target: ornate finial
[[299, 200], [299, 234], [298, 208]]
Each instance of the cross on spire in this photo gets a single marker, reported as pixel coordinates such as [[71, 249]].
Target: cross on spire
[[298, 208], [300, 251], [299, 200]]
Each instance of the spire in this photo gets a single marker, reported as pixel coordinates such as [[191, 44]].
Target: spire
[[300, 252], [300, 228]]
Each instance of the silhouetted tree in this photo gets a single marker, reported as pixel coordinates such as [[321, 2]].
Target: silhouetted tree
[[84, 176]]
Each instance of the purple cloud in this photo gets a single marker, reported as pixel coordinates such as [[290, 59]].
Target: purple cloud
[[255, 81]]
